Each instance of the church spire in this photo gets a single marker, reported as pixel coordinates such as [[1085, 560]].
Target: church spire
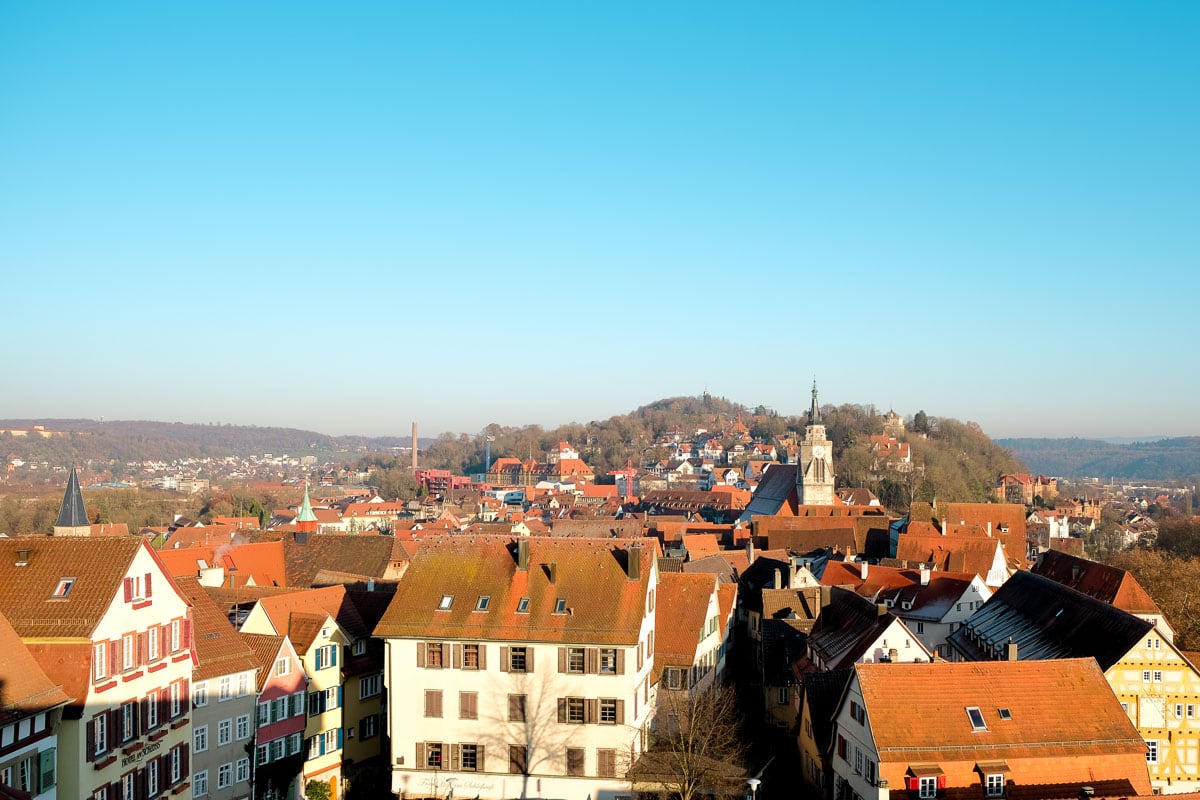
[[72, 516], [814, 413], [306, 520]]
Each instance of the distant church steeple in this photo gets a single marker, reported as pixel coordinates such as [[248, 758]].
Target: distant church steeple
[[72, 517], [814, 475], [306, 520]]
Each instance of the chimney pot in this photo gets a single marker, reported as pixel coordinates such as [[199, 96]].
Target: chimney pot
[[881, 609], [894, 655], [863, 567], [1011, 651], [777, 583], [943, 527]]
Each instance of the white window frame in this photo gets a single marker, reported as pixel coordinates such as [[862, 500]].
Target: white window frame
[[200, 694], [224, 688], [100, 661], [200, 739], [200, 783], [242, 770], [927, 787], [224, 732], [242, 728], [225, 775], [1151, 751], [994, 784]]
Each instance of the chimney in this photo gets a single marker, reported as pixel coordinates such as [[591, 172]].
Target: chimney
[[552, 572], [634, 568], [989, 529], [414, 447], [750, 549], [826, 596], [522, 554], [881, 609], [943, 527], [23, 557], [924, 575], [894, 655], [862, 570], [777, 583], [1011, 650]]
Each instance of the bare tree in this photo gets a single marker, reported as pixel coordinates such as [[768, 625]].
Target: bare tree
[[697, 746]]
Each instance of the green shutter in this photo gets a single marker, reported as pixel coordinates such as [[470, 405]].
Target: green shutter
[[46, 768]]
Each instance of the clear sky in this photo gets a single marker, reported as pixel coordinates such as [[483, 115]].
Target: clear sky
[[346, 217]]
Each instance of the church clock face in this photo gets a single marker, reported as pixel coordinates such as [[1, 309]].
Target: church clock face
[[818, 451]]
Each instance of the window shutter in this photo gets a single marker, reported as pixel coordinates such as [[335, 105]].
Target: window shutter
[[529, 659], [183, 760], [589, 711], [482, 661], [420, 756], [333, 653], [149, 593], [504, 659], [420, 654], [91, 739], [914, 783], [455, 756], [457, 657], [593, 661], [562, 709], [479, 762], [114, 657], [127, 586], [941, 781], [139, 783], [341, 733], [187, 633], [143, 649], [116, 730], [620, 661], [620, 712], [639, 657], [562, 659]]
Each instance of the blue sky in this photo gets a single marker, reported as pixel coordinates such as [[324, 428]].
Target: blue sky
[[348, 216]]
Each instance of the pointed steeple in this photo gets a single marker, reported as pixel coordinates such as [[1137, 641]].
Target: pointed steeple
[[72, 517], [306, 520], [814, 413]]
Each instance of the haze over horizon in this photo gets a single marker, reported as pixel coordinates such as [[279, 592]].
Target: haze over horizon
[[346, 218]]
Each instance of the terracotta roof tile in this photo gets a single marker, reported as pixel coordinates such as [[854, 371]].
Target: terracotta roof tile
[[219, 649], [681, 611], [601, 604], [1108, 584], [25, 688], [331, 601]]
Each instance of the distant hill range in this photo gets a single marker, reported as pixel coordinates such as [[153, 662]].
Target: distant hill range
[[1165, 459], [122, 440]]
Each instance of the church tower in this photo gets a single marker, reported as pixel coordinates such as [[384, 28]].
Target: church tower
[[72, 517], [306, 520], [814, 476]]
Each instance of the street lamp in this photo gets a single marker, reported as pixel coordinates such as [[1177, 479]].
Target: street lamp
[[754, 783]]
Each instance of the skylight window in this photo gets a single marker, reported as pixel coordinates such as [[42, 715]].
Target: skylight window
[[523, 605], [560, 605], [1005, 713], [64, 587], [483, 602], [976, 717], [447, 601]]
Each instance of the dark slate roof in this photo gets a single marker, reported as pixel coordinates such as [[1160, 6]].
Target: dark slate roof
[[72, 514], [823, 692], [847, 627], [1047, 620], [772, 493]]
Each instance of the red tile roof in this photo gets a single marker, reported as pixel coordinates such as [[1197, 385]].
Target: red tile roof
[[25, 688], [219, 649], [602, 605], [681, 611]]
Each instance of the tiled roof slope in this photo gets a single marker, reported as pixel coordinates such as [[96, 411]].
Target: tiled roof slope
[[847, 627], [26, 592], [331, 601], [901, 586], [263, 649], [604, 606], [802, 605], [1108, 584], [1047, 620], [219, 648], [918, 712], [25, 688], [681, 609], [949, 553], [823, 691], [356, 555]]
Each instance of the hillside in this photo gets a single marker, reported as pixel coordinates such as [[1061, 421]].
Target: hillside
[[1166, 459]]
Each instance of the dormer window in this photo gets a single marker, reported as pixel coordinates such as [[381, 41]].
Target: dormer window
[[445, 603], [63, 588], [483, 602], [560, 605], [976, 717], [523, 605]]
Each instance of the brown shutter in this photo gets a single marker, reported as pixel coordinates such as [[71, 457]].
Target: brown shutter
[[143, 649], [589, 711], [479, 763], [420, 756], [183, 762], [620, 712], [116, 730], [592, 661], [562, 660], [164, 705], [482, 658], [562, 709], [620, 660], [91, 739], [115, 657], [457, 661], [127, 587], [149, 593], [503, 659], [187, 633], [455, 756], [529, 659], [420, 654]]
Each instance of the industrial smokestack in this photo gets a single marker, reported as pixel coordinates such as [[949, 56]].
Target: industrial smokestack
[[414, 447]]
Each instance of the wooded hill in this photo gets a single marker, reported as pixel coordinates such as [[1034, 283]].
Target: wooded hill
[[1166, 459]]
